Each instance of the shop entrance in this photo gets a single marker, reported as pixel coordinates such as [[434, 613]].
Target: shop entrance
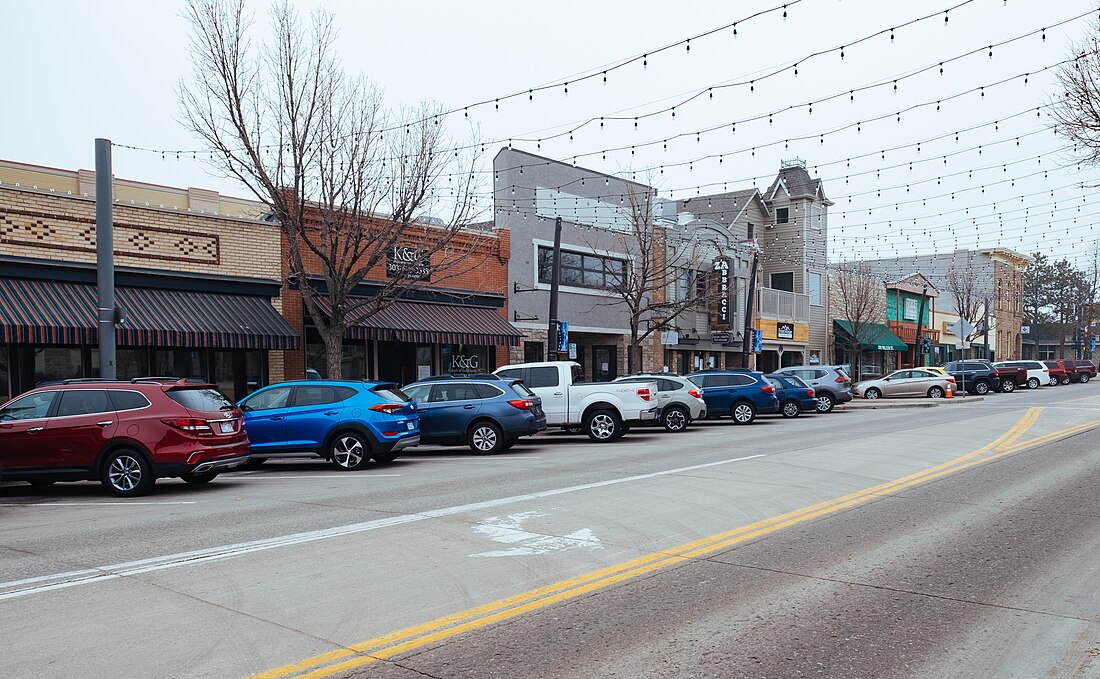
[[604, 363]]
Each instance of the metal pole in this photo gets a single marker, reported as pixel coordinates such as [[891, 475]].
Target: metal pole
[[920, 328], [555, 278], [105, 258], [746, 342], [985, 322]]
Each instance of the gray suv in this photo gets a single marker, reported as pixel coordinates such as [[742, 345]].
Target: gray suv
[[830, 383], [680, 401]]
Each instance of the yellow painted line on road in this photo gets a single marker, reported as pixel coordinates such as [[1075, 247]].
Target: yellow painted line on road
[[401, 641]]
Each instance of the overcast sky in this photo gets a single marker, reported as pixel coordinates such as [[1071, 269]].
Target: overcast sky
[[74, 71]]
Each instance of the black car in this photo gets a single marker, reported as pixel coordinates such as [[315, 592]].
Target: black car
[[975, 376]]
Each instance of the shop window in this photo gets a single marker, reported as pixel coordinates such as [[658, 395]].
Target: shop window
[[57, 363], [353, 361], [463, 359], [583, 270], [238, 373], [533, 352], [192, 363], [5, 374], [131, 363]]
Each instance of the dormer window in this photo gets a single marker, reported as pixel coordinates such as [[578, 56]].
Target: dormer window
[[749, 233], [783, 215]]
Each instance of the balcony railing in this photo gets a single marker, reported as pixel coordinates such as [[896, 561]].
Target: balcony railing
[[780, 305], [907, 332]]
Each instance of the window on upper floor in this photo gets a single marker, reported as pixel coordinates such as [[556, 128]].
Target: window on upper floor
[[583, 270], [783, 215], [783, 281], [815, 288], [750, 232]]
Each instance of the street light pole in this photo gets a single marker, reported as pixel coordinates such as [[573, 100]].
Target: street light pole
[[552, 340], [105, 259], [746, 342]]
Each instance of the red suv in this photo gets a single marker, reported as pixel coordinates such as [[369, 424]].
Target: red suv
[[1086, 369], [125, 434], [1059, 371]]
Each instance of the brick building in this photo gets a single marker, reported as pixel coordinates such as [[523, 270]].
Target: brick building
[[198, 279], [453, 321]]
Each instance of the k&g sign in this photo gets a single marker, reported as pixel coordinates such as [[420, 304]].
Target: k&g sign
[[409, 263]]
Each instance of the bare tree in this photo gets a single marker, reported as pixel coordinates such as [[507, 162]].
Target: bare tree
[[973, 299], [1076, 106], [344, 178], [857, 297], [643, 285]]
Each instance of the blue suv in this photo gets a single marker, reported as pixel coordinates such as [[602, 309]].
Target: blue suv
[[486, 412], [741, 394], [346, 421]]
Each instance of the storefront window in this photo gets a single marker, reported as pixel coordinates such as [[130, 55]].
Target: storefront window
[[238, 373], [353, 366], [131, 363], [180, 363], [423, 361], [5, 374], [57, 363], [463, 359]]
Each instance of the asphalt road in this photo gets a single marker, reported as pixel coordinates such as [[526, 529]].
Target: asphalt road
[[944, 542]]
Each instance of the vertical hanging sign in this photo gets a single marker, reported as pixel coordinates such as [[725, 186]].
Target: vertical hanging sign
[[723, 271]]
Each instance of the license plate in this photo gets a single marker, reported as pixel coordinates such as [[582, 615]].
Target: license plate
[[228, 427], [409, 426]]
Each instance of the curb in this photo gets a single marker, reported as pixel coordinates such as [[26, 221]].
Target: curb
[[883, 404]]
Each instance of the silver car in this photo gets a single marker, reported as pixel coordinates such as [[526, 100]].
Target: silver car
[[910, 382], [681, 402]]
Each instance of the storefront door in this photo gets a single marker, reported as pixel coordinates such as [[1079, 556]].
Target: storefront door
[[604, 363]]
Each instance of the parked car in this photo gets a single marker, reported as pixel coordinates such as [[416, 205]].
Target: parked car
[[1011, 376], [974, 375], [908, 382], [605, 410], [486, 412], [680, 401], [1058, 372], [126, 434], [741, 394], [831, 383], [795, 396], [348, 422], [1084, 369], [1038, 374]]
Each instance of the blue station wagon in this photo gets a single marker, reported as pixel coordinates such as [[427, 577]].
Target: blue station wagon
[[486, 412]]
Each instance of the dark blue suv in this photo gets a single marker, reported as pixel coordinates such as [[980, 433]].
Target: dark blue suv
[[486, 412], [741, 394], [348, 422]]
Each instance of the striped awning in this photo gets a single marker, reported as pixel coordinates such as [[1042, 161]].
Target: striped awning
[[433, 323], [50, 312]]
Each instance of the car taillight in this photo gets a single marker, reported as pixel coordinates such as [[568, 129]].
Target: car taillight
[[522, 404], [189, 424], [995, 372], [951, 380], [695, 392], [767, 389], [388, 408], [842, 378], [644, 393], [809, 392]]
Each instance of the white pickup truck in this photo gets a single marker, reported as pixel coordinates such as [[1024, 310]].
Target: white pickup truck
[[604, 410]]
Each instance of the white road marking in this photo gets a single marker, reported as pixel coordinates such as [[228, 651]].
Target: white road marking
[[484, 458], [89, 504], [509, 530], [278, 477], [57, 581]]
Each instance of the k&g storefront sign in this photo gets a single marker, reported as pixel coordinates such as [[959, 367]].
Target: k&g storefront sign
[[408, 263]]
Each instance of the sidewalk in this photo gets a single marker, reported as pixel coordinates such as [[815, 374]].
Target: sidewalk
[[888, 403]]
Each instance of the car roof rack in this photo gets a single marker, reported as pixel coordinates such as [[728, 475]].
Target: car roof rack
[[477, 376]]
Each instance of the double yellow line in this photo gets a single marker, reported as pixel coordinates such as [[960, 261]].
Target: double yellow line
[[402, 641]]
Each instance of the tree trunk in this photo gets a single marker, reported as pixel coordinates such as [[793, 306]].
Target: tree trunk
[[333, 338], [632, 352]]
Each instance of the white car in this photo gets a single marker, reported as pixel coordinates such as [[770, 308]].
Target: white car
[[681, 402], [1038, 374]]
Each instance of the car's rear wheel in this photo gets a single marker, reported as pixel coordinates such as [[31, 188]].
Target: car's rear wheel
[[199, 479], [1054, 381], [825, 403], [603, 426], [1008, 385], [743, 412], [675, 419], [127, 473], [791, 409], [1065, 379], [485, 438], [1084, 378], [349, 451], [936, 392], [872, 394], [981, 388], [1033, 383]]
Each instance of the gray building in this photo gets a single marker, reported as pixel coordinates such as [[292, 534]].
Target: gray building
[[530, 191]]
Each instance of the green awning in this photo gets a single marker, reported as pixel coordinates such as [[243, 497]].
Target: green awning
[[872, 336]]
